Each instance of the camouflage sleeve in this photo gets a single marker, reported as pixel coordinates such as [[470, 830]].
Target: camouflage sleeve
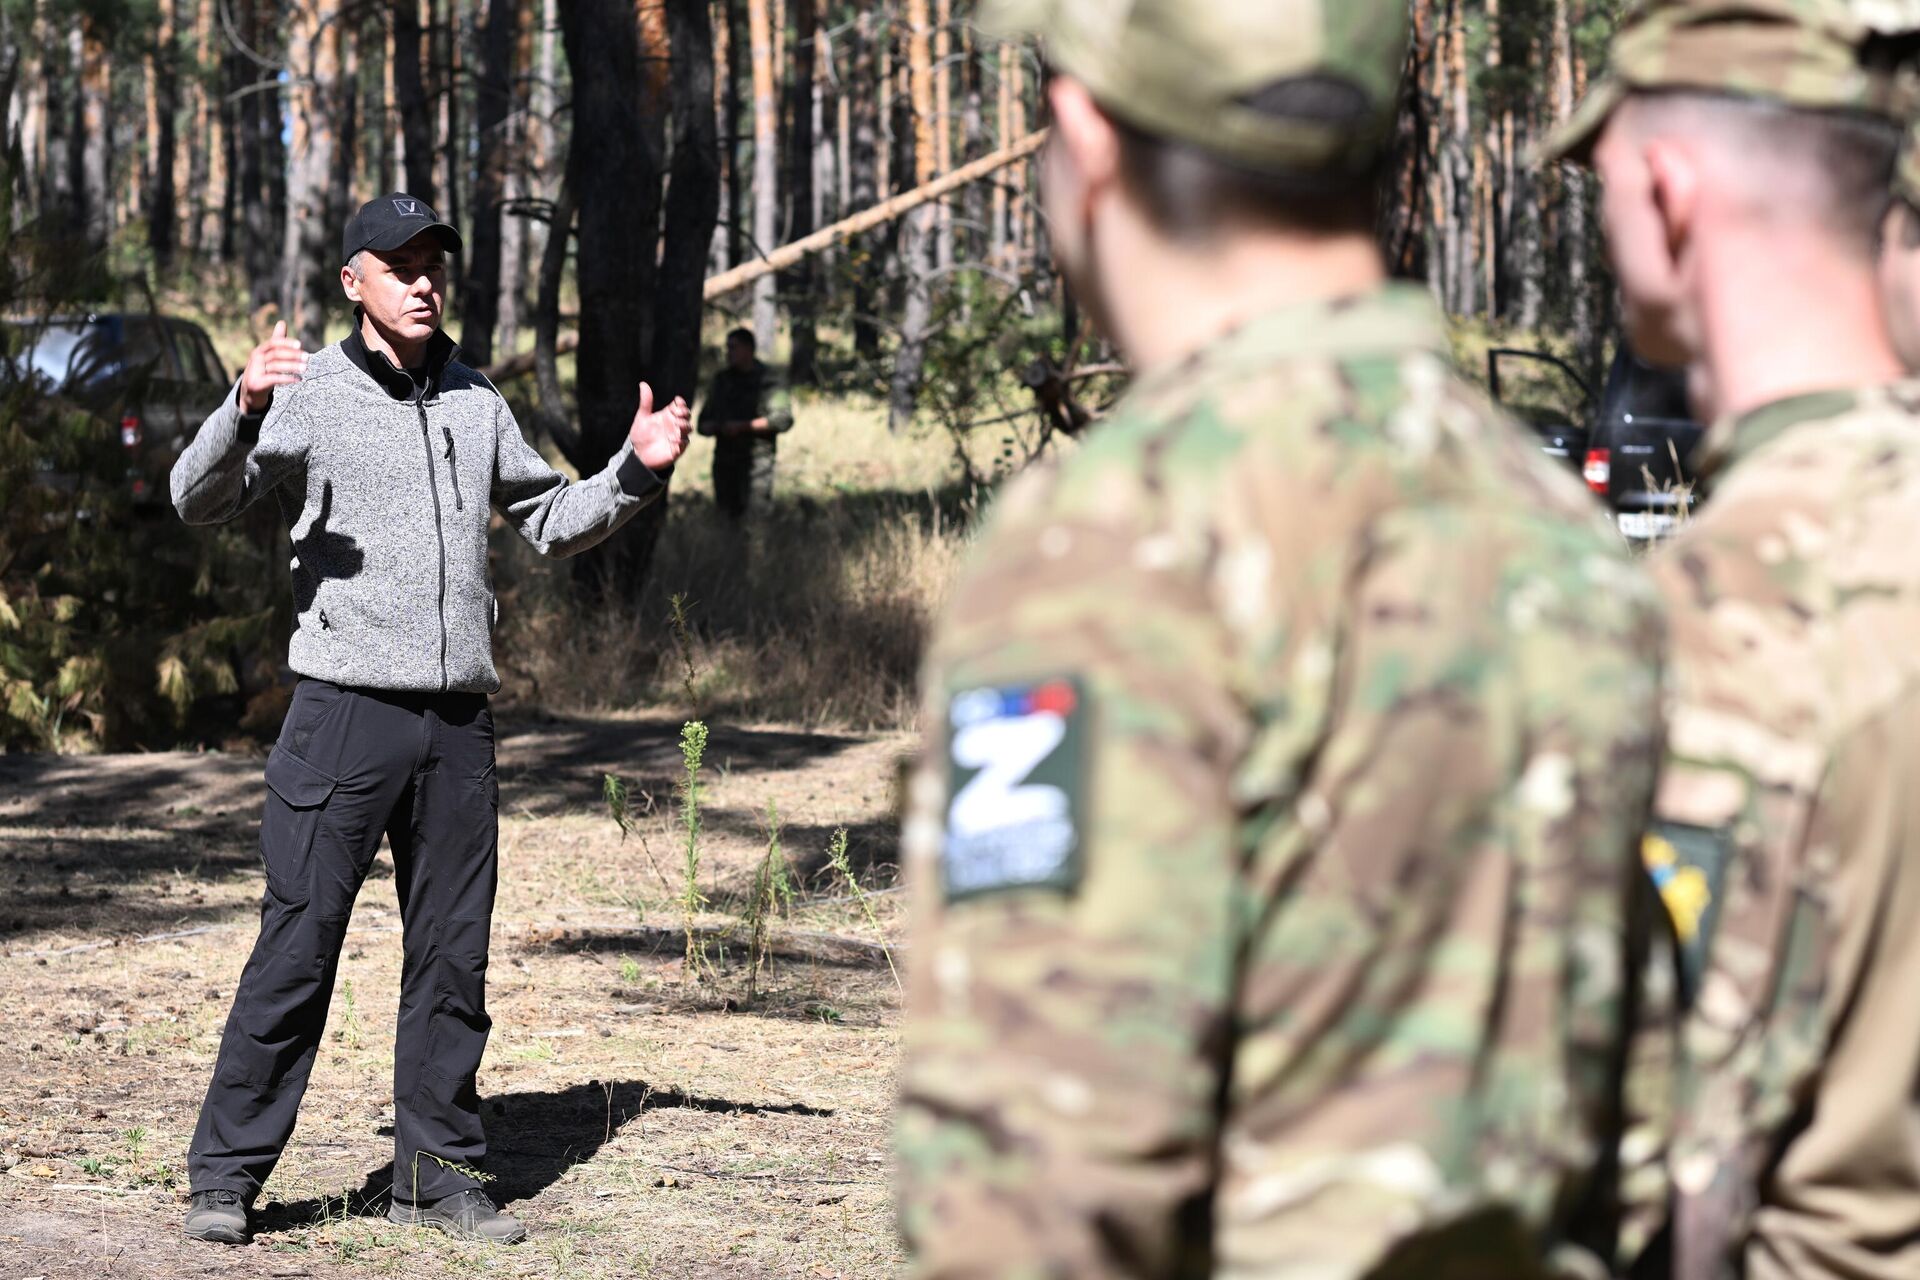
[[776, 401], [1071, 849], [1787, 864]]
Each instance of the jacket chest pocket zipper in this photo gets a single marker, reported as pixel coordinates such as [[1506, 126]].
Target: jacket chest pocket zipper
[[453, 468]]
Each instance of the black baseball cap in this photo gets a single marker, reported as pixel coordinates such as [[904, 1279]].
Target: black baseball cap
[[389, 222]]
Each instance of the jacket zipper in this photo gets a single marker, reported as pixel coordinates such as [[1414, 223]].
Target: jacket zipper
[[453, 467], [439, 529]]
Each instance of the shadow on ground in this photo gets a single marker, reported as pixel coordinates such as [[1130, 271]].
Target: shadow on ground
[[126, 845], [532, 1140]]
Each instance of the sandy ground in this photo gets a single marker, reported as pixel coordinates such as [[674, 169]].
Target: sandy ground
[[642, 1126]]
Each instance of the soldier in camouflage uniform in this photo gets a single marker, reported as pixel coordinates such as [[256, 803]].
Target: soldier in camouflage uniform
[[746, 411], [1275, 849], [1745, 148]]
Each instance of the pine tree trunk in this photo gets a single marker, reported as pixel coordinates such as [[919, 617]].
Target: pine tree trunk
[[693, 201], [543, 156], [736, 177], [917, 233], [95, 149], [447, 75], [973, 144], [259, 116], [998, 241], [1576, 250], [766, 182], [34, 73], [344, 32], [1460, 220], [1020, 203], [612, 169], [163, 77], [943, 128], [803, 105], [1499, 123], [864, 157], [201, 153], [410, 97], [480, 306], [309, 272]]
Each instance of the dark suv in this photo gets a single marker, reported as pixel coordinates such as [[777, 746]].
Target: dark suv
[[152, 379], [1634, 452]]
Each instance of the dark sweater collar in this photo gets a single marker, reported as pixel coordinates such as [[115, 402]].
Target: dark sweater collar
[[399, 383]]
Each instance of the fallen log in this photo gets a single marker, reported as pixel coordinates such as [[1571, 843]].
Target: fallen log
[[787, 255]]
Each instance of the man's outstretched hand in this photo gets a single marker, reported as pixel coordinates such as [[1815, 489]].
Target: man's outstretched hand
[[660, 437], [277, 362]]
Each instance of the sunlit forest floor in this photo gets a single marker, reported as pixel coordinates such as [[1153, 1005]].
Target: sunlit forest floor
[[641, 1125]]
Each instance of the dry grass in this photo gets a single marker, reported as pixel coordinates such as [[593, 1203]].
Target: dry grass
[[642, 1126], [814, 614]]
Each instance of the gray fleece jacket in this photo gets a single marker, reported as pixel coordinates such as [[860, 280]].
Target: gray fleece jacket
[[385, 480]]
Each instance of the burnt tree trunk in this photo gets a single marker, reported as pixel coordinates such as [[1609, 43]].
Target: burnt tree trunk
[[480, 304], [803, 103], [410, 98], [863, 161], [613, 172], [162, 222]]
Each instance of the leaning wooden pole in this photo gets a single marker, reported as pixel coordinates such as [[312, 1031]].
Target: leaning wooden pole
[[786, 255]]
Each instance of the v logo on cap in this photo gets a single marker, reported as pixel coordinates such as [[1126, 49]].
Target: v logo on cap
[[408, 208]]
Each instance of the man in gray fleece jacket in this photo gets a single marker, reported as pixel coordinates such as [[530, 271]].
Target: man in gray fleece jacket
[[385, 454]]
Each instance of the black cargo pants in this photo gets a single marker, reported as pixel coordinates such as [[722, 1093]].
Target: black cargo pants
[[351, 765], [743, 476]]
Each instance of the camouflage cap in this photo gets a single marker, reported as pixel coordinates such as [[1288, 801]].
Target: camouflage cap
[[1802, 53], [1200, 71]]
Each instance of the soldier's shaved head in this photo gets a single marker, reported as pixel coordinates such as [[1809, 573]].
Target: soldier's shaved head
[[1793, 168]]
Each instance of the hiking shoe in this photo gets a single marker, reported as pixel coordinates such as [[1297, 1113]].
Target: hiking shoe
[[219, 1216], [464, 1215]]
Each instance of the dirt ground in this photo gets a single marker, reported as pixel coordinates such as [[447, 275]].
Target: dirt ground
[[640, 1125]]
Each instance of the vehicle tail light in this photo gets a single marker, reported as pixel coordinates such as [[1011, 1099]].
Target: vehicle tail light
[[139, 489], [130, 431], [1598, 470]]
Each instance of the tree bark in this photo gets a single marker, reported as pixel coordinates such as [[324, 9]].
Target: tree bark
[[917, 250], [410, 96], [95, 149], [345, 109], [766, 184], [163, 77], [1460, 218], [313, 66], [612, 170], [30, 131], [446, 79], [942, 125], [480, 308], [693, 202], [803, 106], [736, 178], [863, 166]]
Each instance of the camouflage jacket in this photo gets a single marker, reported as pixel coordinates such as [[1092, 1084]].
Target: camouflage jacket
[[1788, 838], [1274, 850]]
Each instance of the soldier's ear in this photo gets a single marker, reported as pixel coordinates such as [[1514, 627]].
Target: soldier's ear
[[1082, 135], [1674, 183]]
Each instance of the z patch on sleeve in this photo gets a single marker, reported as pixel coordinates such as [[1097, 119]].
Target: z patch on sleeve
[[1015, 757]]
